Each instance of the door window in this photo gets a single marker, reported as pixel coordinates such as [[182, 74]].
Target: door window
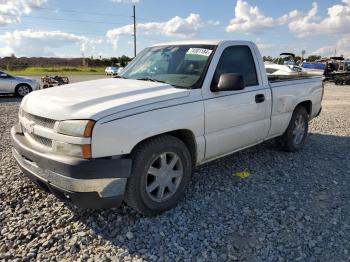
[[3, 75], [239, 60]]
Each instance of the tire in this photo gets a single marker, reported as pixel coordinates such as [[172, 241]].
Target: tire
[[338, 82], [22, 90], [294, 138], [142, 192]]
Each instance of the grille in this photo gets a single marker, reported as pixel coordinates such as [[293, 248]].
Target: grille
[[41, 140], [38, 120]]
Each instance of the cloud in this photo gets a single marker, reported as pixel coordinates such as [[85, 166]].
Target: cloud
[[11, 10], [342, 47], [177, 27], [275, 49], [336, 22], [249, 19], [213, 23], [42, 43], [264, 46], [6, 51]]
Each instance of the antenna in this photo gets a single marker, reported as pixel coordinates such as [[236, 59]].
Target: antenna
[[134, 16]]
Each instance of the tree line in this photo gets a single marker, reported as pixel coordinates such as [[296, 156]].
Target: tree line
[[311, 58], [17, 63]]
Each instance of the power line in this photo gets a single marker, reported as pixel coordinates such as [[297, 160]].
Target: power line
[[82, 12], [75, 33], [99, 33], [85, 21], [66, 20]]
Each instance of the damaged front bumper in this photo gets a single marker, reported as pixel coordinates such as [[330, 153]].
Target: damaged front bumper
[[95, 183]]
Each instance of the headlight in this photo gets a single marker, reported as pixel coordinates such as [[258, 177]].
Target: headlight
[[80, 128], [83, 151]]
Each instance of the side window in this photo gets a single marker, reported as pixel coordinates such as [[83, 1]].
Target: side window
[[3, 75], [237, 59]]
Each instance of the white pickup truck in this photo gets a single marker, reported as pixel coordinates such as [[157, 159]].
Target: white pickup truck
[[136, 138]]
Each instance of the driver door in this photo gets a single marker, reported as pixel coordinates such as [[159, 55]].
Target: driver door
[[235, 119]]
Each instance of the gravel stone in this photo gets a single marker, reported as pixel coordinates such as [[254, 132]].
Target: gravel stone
[[129, 235], [293, 207]]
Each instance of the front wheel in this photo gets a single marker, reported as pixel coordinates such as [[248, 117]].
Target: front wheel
[[294, 138], [23, 90], [161, 171]]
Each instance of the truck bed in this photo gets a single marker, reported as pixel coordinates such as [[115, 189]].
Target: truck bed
[[274, 79]]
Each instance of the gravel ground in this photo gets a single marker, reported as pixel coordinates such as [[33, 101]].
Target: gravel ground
[[293, 207]]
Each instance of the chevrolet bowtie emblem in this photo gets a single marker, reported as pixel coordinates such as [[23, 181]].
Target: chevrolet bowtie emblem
[[29, 126]]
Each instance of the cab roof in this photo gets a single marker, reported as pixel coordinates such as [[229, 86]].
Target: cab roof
[[198, 42]]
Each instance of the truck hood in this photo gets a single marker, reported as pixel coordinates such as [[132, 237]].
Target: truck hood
[[97, 99]]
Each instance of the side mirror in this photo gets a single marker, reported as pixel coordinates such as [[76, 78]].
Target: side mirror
[[229, 82]]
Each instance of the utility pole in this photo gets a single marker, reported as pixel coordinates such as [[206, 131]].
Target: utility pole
[[303, 52], [134, 16]]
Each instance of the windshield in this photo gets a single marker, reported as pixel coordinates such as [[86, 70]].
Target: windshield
[[177, 65]]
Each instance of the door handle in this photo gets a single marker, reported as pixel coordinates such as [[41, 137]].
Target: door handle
[[259, 98]]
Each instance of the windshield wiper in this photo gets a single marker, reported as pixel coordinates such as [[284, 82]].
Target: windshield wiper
[[151, 80], [159, 81]]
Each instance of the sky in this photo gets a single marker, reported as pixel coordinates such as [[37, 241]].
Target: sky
[[66, 28]]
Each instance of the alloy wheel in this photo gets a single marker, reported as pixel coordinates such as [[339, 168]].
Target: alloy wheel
[[164, 176], [299, 130], [23, 90]]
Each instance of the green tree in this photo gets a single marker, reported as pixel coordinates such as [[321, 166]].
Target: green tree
[[267, 58], [124, 60], [313, 58], [114, 61]]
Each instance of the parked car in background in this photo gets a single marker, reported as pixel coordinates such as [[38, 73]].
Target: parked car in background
[[176, 106], [17, 85], [111, 70], [120, 69]]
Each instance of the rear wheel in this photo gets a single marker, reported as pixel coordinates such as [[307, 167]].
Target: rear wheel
[[23, 90], [161, 171], [338, 82], [294, 138]]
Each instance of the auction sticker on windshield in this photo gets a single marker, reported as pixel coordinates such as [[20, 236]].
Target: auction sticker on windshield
[[199, 51]]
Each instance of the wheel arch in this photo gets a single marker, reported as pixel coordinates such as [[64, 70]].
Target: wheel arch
[[185, 135], [307, 104], [23, 84]]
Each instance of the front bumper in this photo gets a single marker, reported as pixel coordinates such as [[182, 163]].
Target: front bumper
[[95, 183]]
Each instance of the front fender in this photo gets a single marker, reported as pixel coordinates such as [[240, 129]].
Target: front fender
[[120, 136]]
